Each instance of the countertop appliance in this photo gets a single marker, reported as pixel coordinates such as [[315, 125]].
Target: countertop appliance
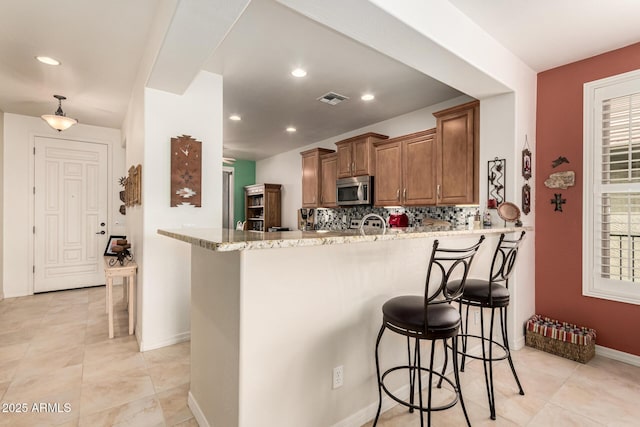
[[398, 220], [306, 219], [357, 190]]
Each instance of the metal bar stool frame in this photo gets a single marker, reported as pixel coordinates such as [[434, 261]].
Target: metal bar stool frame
[[446, 262], [502, 265]]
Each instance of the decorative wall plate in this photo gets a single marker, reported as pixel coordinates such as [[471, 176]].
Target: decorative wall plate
[[526, 163], [526, 199], [509, 212]]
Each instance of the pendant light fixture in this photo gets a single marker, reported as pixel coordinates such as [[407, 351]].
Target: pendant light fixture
[[59, 121]]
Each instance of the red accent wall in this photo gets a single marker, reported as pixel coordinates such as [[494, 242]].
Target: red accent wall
[[559, 234]]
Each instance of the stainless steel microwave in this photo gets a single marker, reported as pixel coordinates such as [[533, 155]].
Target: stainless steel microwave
[[354, 191]]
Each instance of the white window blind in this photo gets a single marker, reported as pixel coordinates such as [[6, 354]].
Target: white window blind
[[611, 218], [621, 139], [619, 222]]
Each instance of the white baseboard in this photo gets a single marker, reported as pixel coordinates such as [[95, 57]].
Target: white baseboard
[[620, 356], [176, 339], [197, 412], [518, 343]]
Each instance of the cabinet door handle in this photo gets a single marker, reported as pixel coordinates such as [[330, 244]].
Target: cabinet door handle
[[438, 191], [404, 194], [398, 194], [353, 167]]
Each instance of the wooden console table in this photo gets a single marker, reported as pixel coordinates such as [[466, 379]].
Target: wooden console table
[[128, 274]]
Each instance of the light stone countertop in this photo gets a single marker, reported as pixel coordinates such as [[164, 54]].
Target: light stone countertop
[[223, 240]]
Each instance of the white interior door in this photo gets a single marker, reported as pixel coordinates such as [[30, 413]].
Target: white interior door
[[70, 214]]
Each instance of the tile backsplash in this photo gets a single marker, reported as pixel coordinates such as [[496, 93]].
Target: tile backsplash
[[339, 219]]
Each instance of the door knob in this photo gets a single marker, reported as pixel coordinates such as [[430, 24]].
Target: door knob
[[101, 232]]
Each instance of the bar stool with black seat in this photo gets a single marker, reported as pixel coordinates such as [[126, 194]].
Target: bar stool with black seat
[[491, 294], [428, 317]]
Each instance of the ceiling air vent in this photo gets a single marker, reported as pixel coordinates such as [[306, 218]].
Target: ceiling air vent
[[332, 98]]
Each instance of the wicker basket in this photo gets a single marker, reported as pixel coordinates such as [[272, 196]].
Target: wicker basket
[[562, 339]]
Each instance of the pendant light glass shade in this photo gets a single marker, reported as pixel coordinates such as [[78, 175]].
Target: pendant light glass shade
[[59, 121]]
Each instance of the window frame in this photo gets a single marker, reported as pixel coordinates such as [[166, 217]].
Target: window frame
[[592, 284]]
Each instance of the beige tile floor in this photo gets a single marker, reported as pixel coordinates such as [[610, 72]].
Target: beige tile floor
[[54, 349], [558, 393]]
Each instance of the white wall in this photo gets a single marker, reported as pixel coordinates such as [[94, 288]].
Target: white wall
[[496, 139], [286, 168], [133, 129], [153, 118], [164, 272], [1, 199], [134, 138], [19, 135]]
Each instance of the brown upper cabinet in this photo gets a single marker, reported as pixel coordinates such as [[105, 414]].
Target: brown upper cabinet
[[458, 149], [433, 167], [406, 170], [328, 174], [356, 156], [312, 177]]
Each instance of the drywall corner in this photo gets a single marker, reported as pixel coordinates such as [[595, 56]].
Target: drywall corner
[[1, 201]]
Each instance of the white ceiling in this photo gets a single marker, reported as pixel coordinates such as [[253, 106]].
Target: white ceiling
[[100, 44], [256, 59], [548, 33]]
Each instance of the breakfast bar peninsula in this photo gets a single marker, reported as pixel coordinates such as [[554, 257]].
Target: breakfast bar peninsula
[[272, 315]]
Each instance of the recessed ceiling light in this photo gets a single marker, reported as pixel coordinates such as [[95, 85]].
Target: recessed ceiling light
[[367, 97], [48, 60], [235, 117], [298, 72], [291, 129]]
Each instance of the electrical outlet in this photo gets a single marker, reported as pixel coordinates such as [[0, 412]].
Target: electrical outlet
[[476, 317], [338, 376]]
